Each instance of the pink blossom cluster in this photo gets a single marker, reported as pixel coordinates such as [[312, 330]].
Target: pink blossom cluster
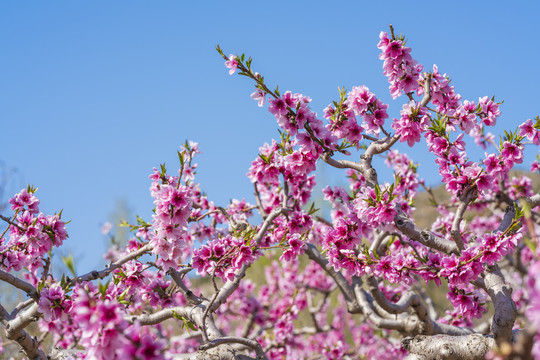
[[364, 103], [413, 122], [498, 166], [343, 124], [408, 181], [293, 114], [100, 320], [54, 304], [443, 95], [293, 164], [466, 117], [25, 200], [535, 166], [172, 209], [103, 330], [402, 70], [376, 208], [494, 246], [223, 257], [295, 248], [489, 111], [459, 174], [31, 236], [520, 186], [396, 269], [340, 239]]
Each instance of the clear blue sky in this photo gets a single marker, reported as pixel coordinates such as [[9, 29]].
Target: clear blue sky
[[94, 94]]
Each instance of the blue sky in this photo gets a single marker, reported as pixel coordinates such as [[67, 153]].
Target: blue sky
[[93, 95]]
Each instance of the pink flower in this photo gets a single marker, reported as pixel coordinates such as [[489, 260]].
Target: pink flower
[[106, 228], [493, 165], [24, 198], [53, 303], [278, 107], [259, 96], [232, 64], [535, 166], [527, 129], [511, 154], [359, 98], [413, 122], [490, 111]]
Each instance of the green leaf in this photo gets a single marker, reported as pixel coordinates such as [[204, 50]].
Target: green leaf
[[266, 159], [181, 157], [176, 316], [312, 209], [123, 295], [391, 189], [68, 261], [63, 281], [103, 288], [521, 211]]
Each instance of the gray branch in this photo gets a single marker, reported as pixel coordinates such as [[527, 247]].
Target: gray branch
[[94, 275], [20, 284], [427, 238]]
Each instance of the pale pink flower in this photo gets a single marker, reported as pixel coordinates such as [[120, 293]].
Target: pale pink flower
[[232, 64]]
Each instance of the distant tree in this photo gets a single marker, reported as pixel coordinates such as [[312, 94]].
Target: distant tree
[[348, 286]]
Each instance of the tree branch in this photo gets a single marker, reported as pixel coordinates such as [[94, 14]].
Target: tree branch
[[188, 294], [20, 284], [341, 282], [427, 238], [468, 347], [94, 275]]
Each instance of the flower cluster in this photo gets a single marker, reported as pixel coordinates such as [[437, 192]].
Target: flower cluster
[[101, 322], [53, 303], [468, 301], [364, 103], [489, 111], [402, 70], [172, 209], [292, 113], [413, 122], [32, 234], [376, 207], [25, 200], [223, 257], [443, 95]]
